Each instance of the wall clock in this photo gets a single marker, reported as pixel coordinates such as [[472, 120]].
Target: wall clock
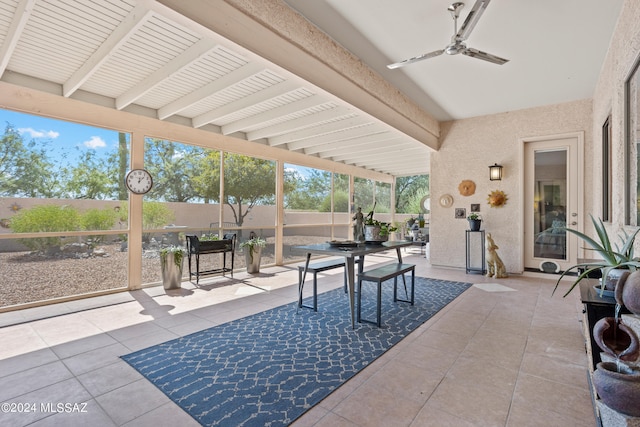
[[138, 181]]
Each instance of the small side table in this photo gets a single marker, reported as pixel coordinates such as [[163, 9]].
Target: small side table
[[475, 252]]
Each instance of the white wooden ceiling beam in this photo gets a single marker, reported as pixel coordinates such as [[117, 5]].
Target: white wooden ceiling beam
[[299, 123], [194, 53], [366, 151], [19, 21], [348, 134], [322, 129], [264, 95], [246, 71], [356, 145], [273, 114], [136, 19]]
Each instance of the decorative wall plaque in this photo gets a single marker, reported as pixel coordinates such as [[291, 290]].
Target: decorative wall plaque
[[467, 187]]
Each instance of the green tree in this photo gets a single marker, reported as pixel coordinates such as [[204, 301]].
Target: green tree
[[123, 165], [90, 179], [206, 178], [173, 167], [409, 192], [25, 171], [248, 182]]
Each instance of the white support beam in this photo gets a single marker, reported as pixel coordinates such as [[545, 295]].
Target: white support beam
[[317, 130], [298, 123], [274, 114], [194, 53], [19, 21], [264, 95], [233, 78], [136, 19], [356, 145], [372, 129]]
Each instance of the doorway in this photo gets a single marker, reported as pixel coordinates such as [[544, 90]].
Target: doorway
[[552, 197]]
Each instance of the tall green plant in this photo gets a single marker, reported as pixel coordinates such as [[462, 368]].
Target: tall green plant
[[613, 255]]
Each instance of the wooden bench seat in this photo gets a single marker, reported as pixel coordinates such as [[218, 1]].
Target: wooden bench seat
[[380, 275], [315, 268]]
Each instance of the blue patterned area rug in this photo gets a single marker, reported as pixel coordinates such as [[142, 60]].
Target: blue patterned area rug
[[269, 368]]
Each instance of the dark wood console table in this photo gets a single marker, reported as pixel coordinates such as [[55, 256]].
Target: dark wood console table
[[197, 247]]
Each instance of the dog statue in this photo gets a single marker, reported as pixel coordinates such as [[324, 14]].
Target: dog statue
[[495, 266]]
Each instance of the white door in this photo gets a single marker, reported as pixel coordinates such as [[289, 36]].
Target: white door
[[552, 201]]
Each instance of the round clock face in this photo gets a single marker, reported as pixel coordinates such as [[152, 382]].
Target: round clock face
[[139, 181]]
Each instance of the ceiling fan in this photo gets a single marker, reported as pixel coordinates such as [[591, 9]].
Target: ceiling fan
[[457, 44]]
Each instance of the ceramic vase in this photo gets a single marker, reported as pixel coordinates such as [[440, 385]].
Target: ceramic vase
[[628, 293], [620, 391], [616, 339]]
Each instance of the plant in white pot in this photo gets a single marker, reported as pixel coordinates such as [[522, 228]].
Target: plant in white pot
[[252, 249], [171, 258]]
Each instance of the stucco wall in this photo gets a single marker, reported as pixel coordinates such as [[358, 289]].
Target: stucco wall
[[468, 148], [609, 99]]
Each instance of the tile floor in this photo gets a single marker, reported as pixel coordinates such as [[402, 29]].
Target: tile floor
[[505, 353]]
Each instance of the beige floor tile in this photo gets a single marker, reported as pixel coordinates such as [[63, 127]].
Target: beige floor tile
[[126, 403], [487, 359]]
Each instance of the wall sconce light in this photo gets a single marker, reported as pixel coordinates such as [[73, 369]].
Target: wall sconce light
[[495, 172]]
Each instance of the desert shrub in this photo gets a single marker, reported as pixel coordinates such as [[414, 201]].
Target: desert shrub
[[156, 215], [98, 219], [45, 218]]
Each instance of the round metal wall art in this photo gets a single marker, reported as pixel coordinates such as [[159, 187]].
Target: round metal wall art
[[497, 198], [467, 187]]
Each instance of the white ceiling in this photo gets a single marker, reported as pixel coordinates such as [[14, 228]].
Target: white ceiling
[[146, 58], [555, 49]]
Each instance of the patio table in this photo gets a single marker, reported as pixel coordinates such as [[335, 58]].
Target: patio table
[[350, 253]]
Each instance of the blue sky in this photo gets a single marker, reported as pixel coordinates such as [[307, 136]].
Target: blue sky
[[63, 137], [69, 140]]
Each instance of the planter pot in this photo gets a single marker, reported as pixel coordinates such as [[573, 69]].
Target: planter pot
[[620, 391], [628, 293], [372, 234], [252, 259], [615, 276], [171, 272], [616, 339], [475, 224]]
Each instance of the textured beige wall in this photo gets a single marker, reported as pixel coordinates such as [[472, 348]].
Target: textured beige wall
[[609, 100], [468, 147]]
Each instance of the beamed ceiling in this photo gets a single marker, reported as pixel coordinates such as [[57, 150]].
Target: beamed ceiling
[[146, 58]]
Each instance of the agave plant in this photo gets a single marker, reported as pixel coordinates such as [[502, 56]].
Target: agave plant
[[613, 256]]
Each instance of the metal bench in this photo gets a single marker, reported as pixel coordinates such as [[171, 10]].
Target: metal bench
[[316, 268], [380, 275]]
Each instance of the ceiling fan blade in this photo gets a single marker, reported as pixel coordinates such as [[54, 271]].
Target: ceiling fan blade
[[475, 53], [472, 19], [415, 59]]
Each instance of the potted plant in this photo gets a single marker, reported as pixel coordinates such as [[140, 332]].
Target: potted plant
[[614, 258], [377, 231], [475, 221], [171, 264], [253, 252]]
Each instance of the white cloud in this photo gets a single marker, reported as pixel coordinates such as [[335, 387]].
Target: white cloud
[[95, 142], [39, 133]]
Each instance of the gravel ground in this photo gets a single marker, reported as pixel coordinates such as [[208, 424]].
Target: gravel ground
[[26, 277]]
